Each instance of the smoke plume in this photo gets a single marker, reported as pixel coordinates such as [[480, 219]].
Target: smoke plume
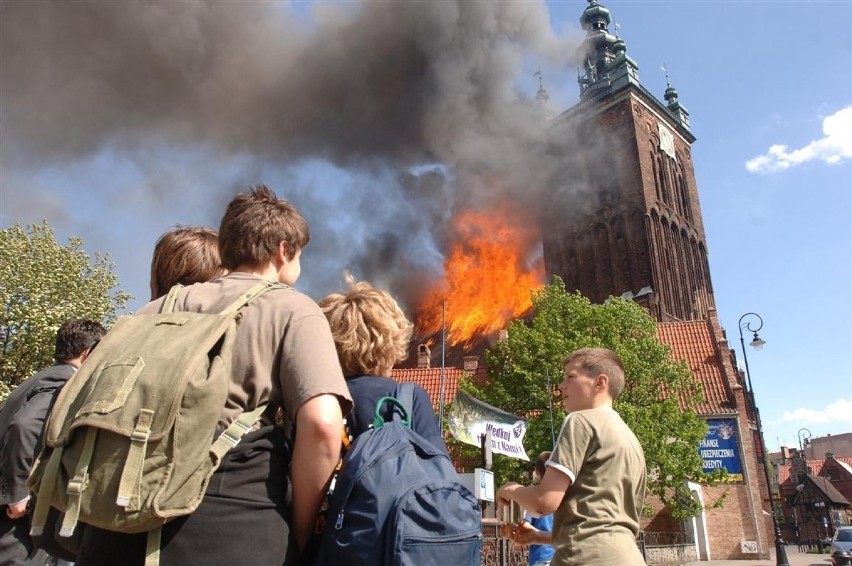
[[417, 99]]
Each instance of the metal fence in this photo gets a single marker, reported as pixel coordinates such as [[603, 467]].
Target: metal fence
[[658, 548], [666, 547], [500, 551]]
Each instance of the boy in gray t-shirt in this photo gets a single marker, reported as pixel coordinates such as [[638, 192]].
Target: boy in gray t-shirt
[[595, 478]]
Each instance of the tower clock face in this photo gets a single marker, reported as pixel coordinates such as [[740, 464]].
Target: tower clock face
[[666, 140]]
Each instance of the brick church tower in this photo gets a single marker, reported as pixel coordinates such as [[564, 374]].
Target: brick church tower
[[625, 219]]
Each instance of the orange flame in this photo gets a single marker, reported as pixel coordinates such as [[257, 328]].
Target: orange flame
[[486, 282]]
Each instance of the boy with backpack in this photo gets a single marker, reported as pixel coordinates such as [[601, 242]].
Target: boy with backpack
[[397, 499], [282, 358], [371, 334]]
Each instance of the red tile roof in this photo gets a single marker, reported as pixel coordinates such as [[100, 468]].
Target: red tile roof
[[690, 341], [815, 465], [693, 342], [430, 380]]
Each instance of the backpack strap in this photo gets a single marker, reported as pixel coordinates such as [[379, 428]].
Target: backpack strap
[[232, 435], [250, 295], [77, 484], [171, 299], [45, 493], [405, 393], [254, 292], [152, 546], [130, 484]]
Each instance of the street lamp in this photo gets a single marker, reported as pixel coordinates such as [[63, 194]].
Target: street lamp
[[804, 440], [757, 343]]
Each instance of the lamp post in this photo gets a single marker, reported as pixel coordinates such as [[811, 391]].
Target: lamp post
[[757, 343], [804, 440]]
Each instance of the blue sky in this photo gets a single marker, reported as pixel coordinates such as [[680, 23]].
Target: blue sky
[[116, 138]]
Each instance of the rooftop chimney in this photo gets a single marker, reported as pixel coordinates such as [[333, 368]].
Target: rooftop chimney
[[424, 356]]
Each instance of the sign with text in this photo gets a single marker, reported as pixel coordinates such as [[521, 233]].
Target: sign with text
[[470, 419], [720, 448]]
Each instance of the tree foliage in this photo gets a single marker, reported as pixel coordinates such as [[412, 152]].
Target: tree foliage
[[658, 401], [43, 284]]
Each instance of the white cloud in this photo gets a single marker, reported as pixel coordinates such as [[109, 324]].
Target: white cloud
[[834, 147], [839, 411]]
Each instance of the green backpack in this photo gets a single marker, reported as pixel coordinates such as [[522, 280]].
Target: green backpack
[[129, 442]]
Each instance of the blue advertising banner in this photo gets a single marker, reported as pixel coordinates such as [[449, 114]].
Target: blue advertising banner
[[720, 448]]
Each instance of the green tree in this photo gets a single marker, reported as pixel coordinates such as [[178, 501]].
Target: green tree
[[658, 401], [43, 284]]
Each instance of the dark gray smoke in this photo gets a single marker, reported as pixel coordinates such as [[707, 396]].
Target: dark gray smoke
[[418, 98]]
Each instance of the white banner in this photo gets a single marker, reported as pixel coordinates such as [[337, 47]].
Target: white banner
[[470, 419]]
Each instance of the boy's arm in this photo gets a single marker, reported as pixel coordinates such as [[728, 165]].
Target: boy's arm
[[540, 499], [316, 452]]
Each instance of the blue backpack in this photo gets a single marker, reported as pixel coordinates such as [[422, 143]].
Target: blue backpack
[[398, 501]]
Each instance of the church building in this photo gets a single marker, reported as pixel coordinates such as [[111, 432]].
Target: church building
[[625, 220]]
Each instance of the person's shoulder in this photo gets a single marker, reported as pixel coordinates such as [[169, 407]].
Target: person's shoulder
[[152, 307], [56, 373], [598, 414]]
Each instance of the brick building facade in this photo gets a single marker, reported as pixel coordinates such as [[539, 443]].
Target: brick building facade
[[815, 495], [626, 218]]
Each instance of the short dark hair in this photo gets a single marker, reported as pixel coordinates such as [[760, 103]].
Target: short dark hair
[[76, 336], [253, 226], [185, 255]]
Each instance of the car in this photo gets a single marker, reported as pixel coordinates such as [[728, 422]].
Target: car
[[841, 542]]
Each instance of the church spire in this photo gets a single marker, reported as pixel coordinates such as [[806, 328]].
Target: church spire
[[678, 109], [607, 66], [541, 95], [541, 98]]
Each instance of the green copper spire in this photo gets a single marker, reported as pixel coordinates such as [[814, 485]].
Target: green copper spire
[[678, 109], [606, 64]]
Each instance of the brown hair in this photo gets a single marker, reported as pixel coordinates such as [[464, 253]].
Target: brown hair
[[370, 331], [540, 462], [253, 226], [185, 255], [596, 361]]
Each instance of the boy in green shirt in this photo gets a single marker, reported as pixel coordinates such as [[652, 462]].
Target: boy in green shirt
[[595, 478]]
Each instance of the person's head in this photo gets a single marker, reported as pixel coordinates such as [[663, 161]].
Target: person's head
[[185, 255], [259, 228], [540, 464], [76, 338], [593, 377], [370, 331]]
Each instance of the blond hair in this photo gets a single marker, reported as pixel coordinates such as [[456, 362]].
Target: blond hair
[[371, 333], [596, 361]]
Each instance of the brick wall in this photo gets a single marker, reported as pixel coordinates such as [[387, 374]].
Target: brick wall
[[624, 216]]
